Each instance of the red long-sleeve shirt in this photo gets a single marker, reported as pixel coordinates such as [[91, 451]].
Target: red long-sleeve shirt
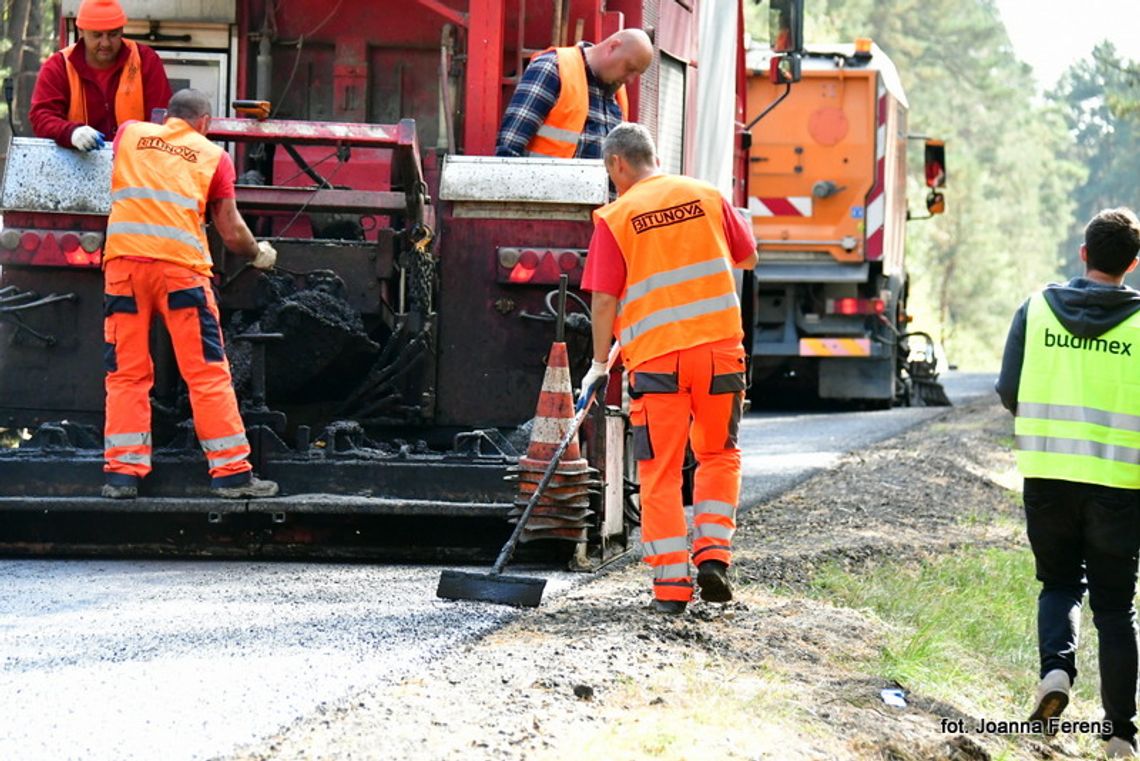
[[52, 95]]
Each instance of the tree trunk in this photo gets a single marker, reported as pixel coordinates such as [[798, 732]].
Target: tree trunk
[[19, 12]]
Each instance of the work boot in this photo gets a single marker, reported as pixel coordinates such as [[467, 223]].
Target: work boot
[[1052, 697], [254, 488], [712, 578], [669, 607], [110, 491], [1118, 747]]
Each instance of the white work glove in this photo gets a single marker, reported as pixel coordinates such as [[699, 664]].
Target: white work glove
[[87, 138], [266, 256], [593, 377]]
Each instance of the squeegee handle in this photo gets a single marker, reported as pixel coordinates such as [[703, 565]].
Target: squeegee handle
[[575, 423]]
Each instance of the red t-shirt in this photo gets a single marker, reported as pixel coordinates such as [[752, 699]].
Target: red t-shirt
[[605, 267], [221, 184]]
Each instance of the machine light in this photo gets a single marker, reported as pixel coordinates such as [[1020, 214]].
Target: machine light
[[862, 46], [70, 242], [10, 239], [852, 306], [568, 261], [521, 274], [529, 259], [30, 241], [91, 242]]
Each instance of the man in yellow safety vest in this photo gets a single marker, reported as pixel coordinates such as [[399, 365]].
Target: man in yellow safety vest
[[1069, 376]]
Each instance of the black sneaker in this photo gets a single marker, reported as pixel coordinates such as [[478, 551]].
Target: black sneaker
[[712, 578], [111, 491], [669, 607], [251, 489]]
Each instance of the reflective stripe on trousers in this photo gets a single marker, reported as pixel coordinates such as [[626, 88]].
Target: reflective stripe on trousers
[[669, 557]]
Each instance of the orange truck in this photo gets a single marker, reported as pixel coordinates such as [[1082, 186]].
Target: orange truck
[[828, 202]]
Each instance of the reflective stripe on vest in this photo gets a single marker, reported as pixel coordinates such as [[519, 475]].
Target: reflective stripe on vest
[[153, 231], [129, 103], [156, 195], [679, 220], [159, 185], [1078, 416], [559, 134]]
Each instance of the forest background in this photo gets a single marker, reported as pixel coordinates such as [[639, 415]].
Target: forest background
[[1027, 168]]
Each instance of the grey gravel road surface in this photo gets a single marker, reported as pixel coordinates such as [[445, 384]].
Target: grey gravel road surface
[[192, 659]]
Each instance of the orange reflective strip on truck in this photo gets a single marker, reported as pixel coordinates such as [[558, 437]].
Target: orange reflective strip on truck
[[835, 347]]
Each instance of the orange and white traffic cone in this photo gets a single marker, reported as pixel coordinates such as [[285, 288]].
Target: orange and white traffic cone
[[563, 510]]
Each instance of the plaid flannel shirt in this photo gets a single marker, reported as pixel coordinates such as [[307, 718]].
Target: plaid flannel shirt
[[536, 94]]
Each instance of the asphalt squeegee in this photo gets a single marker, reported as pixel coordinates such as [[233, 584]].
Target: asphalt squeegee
[[521, 591]]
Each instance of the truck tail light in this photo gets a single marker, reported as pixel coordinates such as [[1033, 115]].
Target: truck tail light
[[568, 261], [45, 248], [852, 306], [91, 242], [539, 266]]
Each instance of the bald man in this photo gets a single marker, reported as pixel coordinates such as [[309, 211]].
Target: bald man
[[570, 98]]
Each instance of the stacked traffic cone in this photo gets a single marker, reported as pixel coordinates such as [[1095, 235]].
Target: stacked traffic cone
[[563, 510]]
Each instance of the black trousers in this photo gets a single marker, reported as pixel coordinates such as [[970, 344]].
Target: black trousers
[[1087, 537]]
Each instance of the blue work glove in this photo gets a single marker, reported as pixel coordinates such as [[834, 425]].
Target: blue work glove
[[596, 374], [87, 138]]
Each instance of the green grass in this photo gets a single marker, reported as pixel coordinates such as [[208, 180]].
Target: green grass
[[962, 629]]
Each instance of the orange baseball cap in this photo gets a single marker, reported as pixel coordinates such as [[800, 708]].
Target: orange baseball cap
[[100, 15]]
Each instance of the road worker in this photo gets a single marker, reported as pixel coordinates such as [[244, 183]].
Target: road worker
[[659, 267], [569, 98], [1068, 376], [157, 265], [85, 91]]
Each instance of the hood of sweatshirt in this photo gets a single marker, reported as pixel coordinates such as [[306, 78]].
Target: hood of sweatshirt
[[1089, 309]]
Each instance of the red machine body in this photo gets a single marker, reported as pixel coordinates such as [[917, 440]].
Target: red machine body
[[414, 281]]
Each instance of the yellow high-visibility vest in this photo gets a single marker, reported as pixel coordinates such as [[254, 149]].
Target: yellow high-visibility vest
[[1078, 402]]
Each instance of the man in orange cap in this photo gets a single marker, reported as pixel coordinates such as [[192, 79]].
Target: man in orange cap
[[85, 91], [660, 269]]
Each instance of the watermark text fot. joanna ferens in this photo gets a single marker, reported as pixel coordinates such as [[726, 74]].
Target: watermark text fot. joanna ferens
[[1051, 726]]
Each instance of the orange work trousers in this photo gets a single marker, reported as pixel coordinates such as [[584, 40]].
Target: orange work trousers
[[135, 292], [692, 395]]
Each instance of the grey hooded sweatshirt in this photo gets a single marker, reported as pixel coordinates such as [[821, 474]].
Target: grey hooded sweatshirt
[[1086, 308]]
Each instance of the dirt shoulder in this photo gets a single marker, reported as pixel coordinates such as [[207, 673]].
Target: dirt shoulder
[[775, 674]]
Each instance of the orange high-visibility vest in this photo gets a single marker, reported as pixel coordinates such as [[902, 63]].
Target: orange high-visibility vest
[[129, 102], [679, 288], [559, 134], [159, 185]]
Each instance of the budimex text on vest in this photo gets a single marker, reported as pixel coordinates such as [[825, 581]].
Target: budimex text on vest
[[1068, 341]]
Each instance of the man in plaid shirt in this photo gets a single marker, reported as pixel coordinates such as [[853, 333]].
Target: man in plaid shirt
[[546, 115]]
